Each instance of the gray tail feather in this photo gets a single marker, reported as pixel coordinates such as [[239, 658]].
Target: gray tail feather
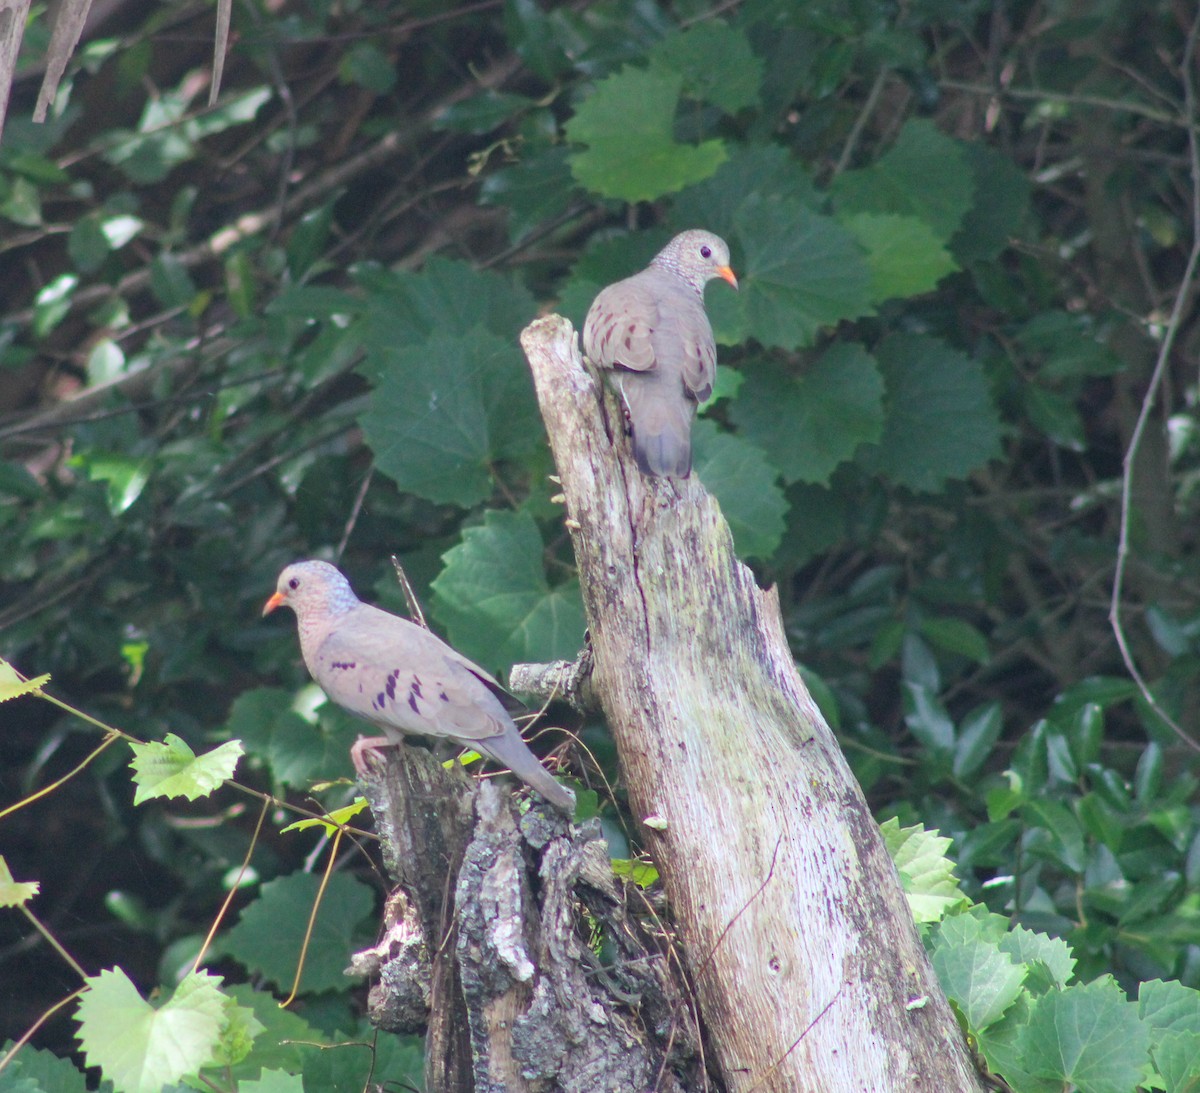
[[510, 750], [663, 455]]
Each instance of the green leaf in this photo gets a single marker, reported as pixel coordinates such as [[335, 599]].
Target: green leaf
[[738, 474], [331, 821], [1089, 1037], [442, 413], [812, 424], [14, 685], [535, 190], [1169, 1007], [273, 1081], [140, 1047], [366, 65], [1051, 953], [495, 602], [172, 769], [1001, 203], [927, 718], [940, 421], [266, 720], [1177, 1059], [976, 975], [716, 63], [482, 113], [924, 174], [926, 873], [905, 257], [628, 125], [956, 636], [286, 1040], [976, 737], [15, 893], [803, 271], [270, 932], [763, 170], [403, 309], [125, 476], [36, 1071]]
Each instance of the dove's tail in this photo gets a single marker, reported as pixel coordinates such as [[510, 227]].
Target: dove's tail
[[508, 749], [660, 416]]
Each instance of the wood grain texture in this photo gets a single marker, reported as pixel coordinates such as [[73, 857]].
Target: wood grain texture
[[796, 931]]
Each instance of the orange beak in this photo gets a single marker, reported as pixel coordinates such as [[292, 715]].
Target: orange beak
[[728, 274], [272, 603]]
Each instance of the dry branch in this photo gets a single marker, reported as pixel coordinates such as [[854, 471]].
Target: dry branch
[[794, 926]]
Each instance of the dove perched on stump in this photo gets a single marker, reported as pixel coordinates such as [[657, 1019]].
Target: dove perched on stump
[[652, 333], [400, 677]]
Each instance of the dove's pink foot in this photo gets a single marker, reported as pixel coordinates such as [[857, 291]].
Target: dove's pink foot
[[364, 746]]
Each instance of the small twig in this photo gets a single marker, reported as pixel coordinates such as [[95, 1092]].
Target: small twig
[[1182, 299], [355, 509], [410, 596], [860, 123]]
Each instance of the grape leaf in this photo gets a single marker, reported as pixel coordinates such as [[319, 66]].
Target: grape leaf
[[1088, 1037], [495, 602], [738, 474], [811, 424], [925, 174], [270, 933], [140, 1047], [803, 271], [628, 125], [905, 257], [444, 411], [940, 420], [172, 769]]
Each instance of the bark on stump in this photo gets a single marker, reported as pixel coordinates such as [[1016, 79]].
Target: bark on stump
[[487, 938]]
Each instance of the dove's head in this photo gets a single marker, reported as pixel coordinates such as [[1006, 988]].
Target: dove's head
[[312, 589], [697, 257]]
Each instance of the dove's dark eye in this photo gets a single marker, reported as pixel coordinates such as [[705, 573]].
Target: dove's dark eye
[[706, 252], [294, 583]]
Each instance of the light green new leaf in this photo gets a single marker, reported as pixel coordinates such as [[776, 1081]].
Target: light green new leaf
[[1053, 953], [443, 412], [1089, 1037], [13, 893], [495, 602], [924, 174], [941, 421], [172, 769], [270, 933], [331, 821], [716, 63], [905, 256], [976, 975], [803, 272], [628, 125], [811, 424], [140, 1047], [13, 685], [238, 1032], [738, 474], [926, 873]]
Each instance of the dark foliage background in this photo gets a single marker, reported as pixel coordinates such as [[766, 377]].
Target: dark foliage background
[[285, 327]]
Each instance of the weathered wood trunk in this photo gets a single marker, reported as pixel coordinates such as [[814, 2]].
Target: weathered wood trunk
[[487, 946], [795, 930]]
